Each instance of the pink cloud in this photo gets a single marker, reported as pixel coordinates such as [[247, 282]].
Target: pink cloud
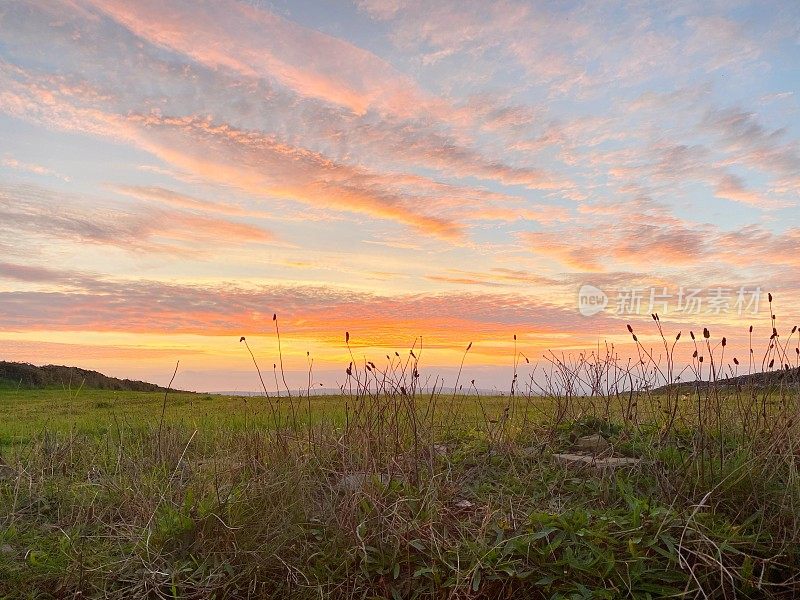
[[257, 43], [34, 212], [255, 162], [12, 163], [732, 187]]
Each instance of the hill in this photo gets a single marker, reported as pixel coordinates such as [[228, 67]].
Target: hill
[[760, 380], [25, 375]]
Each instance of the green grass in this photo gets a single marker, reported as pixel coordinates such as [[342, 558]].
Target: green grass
[[448, 497], [27, 413]]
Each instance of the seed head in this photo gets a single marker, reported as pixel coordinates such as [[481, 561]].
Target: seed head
[[241, 339], [735, 360], [706, 333]]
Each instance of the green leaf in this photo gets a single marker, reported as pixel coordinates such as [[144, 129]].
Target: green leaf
[[418, 544], [476, 580], [542, 533]]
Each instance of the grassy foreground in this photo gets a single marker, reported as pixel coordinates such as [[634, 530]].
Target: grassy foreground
[[392, 493]]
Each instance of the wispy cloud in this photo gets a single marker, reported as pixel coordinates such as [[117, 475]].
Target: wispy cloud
[[12, 163], [257, 43], [36, 211], [164, 196]]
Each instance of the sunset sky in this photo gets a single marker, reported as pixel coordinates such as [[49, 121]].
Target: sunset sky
[[174, 172]]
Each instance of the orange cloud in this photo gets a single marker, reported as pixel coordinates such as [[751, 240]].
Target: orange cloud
[[264, 166], [581, 257], [493, 278], [106, 304]]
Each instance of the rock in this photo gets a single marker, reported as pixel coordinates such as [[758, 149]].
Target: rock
[[7, 472], [6, 549], [94, 475], [596, 444], [529, 452], [356, 481], [599, 463], [440, 450], [464, 504]]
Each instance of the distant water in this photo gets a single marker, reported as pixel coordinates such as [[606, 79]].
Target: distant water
[[337, 391]]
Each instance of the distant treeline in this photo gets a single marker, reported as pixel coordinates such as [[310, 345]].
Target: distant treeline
[[27, 376]]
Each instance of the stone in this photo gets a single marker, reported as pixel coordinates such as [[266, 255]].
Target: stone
[[440, 450], [596, 444], [6, 549], [464, 504], [356, 481], [7, 472], [529, 452], [599, 463]]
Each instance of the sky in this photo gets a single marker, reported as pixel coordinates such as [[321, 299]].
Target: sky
[[175, 172]]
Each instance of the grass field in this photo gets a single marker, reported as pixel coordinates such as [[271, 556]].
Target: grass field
[[26, 414], [394, 493]]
